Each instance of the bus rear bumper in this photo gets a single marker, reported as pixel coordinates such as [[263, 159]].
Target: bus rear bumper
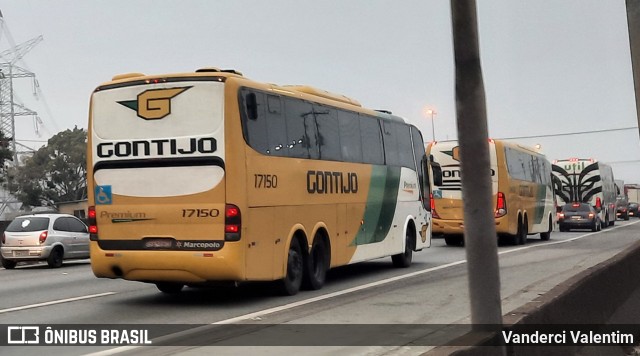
[[456, 227], [447, 227], [188, 267]]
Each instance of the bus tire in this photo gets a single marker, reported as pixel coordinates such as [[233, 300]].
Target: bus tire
[[315, 272], [545, 236], [403, 260], [454, 240], [290, 284], [169, 287], [525, 231]]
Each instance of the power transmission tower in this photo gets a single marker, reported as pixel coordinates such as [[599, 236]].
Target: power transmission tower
[[9, 107], [9, 70]]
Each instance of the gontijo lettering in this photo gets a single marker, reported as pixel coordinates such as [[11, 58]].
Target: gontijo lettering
[[159, 147], [327, 182]]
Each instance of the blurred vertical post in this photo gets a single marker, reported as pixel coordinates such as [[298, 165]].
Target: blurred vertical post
[[479, 229], [633, 21]]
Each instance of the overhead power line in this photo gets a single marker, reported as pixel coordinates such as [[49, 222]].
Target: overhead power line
[[570, 133]]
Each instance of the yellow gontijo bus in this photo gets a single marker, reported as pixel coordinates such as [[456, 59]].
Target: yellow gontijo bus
[[209, 176], [522, 192]]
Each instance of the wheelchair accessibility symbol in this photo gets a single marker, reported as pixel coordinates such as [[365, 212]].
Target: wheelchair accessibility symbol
[[103, 195]]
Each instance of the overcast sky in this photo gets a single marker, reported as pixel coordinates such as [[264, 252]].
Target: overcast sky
[[549, 66]]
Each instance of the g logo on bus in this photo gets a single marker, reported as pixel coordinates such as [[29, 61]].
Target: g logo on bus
[[153, 104], [454, 153]]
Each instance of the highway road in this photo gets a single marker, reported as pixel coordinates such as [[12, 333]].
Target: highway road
[[432, 291]]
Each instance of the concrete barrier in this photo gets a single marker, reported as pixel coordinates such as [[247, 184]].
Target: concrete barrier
[[607, 293]]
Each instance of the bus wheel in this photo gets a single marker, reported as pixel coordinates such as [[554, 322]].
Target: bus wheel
[[454, 240], [290, 284], [525, 232], [316, 270], [169, 288], [545, 236], [403, 260]]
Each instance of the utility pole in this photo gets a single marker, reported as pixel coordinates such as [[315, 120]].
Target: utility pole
[[633, 22], [479, 227]]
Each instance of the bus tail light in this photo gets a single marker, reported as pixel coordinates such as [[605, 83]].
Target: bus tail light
[[93, 224], [598, 202], [232, 223], [43, 237], [501, 205], [432, 204]]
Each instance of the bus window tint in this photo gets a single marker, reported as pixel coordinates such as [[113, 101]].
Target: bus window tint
[[390, 144], [328, 133], [254, 127], [297, 112], [418, 151], [350, 136], [276, 128], [405, 150], [371, 140]]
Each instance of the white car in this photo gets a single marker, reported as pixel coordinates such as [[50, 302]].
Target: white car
[[50, 237]]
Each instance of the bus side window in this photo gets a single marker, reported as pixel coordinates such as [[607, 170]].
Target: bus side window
[[372, 151], [254, 123], [437, 171], [328, 133]]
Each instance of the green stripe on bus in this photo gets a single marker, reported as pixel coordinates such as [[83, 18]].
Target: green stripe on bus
[[381, 205], [540, 199]]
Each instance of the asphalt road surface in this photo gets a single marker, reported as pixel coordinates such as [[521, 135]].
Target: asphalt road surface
[[433, 291]]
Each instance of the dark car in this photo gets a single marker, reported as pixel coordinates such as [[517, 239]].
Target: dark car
[[578, 216], [633, 209], [622, 210]]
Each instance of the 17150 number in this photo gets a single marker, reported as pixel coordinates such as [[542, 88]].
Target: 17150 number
[[265, 180], [200, 213]]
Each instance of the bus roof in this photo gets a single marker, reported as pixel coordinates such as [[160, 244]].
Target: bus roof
[[303, 91], [529, 149]]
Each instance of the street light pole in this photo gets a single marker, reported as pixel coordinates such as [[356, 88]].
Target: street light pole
[[433, 130]]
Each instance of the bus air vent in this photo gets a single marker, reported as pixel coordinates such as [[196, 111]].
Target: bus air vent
[[127, 76], [323, 94]]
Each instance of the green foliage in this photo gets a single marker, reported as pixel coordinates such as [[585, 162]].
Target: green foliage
[[55, 173], [5, 155]]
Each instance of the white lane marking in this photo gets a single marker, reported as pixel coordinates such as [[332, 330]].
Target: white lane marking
[[59, 301], [355, 289], [567, 240], [392, 279]]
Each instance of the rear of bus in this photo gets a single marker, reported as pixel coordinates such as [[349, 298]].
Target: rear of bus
[[447, 198], [156, 181]]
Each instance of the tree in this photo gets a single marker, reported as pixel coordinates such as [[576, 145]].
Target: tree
[[55, 173], [5, 155]]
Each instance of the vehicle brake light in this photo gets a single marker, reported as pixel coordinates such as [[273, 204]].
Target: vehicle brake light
[[591, 215], [501, 205], [93, 224], [598, 202], [575, 205], [561, 216], [432, 204], [43, 237], [232, 223]]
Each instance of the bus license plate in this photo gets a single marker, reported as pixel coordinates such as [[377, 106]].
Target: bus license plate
[[158, 243]]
